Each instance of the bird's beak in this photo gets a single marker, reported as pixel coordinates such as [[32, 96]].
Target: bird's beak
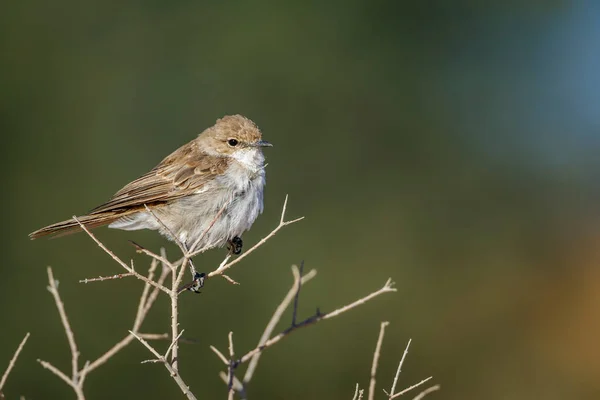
[[263, 143]]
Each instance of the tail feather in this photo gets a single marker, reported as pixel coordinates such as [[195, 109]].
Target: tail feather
[[71, 226]]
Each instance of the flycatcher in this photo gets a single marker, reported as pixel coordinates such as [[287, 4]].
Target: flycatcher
[[206, 193]]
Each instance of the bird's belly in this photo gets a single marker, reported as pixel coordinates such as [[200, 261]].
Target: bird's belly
[[211, 219]]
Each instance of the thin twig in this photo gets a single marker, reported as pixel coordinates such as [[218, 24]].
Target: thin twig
[[118, 260], [355, 397], [410, 388], [172, 343], [393, 389], [230, 389], [143, 250], [276, 318], [174, 374], [175, 283], [222, 268], [237, 385], [220, 355], [316, 318], [57, 372], [297, 274], [387, 287], [53, 288], [426, 392], [106, 278], [12, 361], [376, 360], [144, 305]]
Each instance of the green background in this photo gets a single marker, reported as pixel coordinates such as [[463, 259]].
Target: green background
[[452, 147]]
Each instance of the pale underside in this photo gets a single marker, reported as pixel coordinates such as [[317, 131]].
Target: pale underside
[[237, 190]]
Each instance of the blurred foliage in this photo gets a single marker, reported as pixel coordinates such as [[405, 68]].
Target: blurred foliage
[[451, 146]]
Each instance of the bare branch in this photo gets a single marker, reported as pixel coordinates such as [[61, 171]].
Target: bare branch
[[393, 389], [220, 355], [410, 388], [53, 289], [276, 318], [237, 385], [224, 267], [426, 392], [145, 303], [298, 285], [176, 340], [355, 397], [118, 260], [58, 373], [154, 336], [387, 287], [106, 278], [230, 368], [316, 318], [143, 250], [376, 360], [13, 360], [174, 374]]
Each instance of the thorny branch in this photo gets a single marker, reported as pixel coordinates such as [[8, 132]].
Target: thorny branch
[[11, 364], [170, 358], [177, 270], [391, 395], [77, 379], [266, 342]]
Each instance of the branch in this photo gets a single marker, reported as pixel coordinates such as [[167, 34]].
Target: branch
[[174, 374], [58, 373], [264, 342], [410, 388], [53, 289], [316, 318], [146, 302], [393, 389], [224, 267], [147, 299], [426, 392], [129, 269], [358, 393], [277, 316], [231, 368], [376, 360], [12, 362], [106, 278]]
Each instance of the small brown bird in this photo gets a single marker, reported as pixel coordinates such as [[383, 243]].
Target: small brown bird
[[220, 171]]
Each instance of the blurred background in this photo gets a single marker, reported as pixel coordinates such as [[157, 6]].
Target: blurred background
[[453, 148]]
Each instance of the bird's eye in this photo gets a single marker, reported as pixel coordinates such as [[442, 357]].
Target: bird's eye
[[232, 142]]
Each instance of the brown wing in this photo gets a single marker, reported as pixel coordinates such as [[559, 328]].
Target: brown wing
[[182, 173]]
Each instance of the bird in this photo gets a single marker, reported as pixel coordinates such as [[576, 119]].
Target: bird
[[205, 194]]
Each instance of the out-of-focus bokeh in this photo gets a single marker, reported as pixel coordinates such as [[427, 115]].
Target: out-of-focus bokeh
[[452, 146]]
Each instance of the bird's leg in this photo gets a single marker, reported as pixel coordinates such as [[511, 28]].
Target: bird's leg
[[196, 284], [235, 245], [197, 277]]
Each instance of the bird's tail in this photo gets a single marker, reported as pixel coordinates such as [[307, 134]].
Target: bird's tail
[[71, 226]]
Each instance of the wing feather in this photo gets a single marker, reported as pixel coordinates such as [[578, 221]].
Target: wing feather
[[180, 174]]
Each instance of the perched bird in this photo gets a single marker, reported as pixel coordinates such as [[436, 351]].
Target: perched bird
[[206, 193]]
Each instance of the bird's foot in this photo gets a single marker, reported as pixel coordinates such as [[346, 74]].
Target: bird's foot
[[196, 284], [235, 245]]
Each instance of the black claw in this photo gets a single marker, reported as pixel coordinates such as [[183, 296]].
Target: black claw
[[235, 245], [196, 284]]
